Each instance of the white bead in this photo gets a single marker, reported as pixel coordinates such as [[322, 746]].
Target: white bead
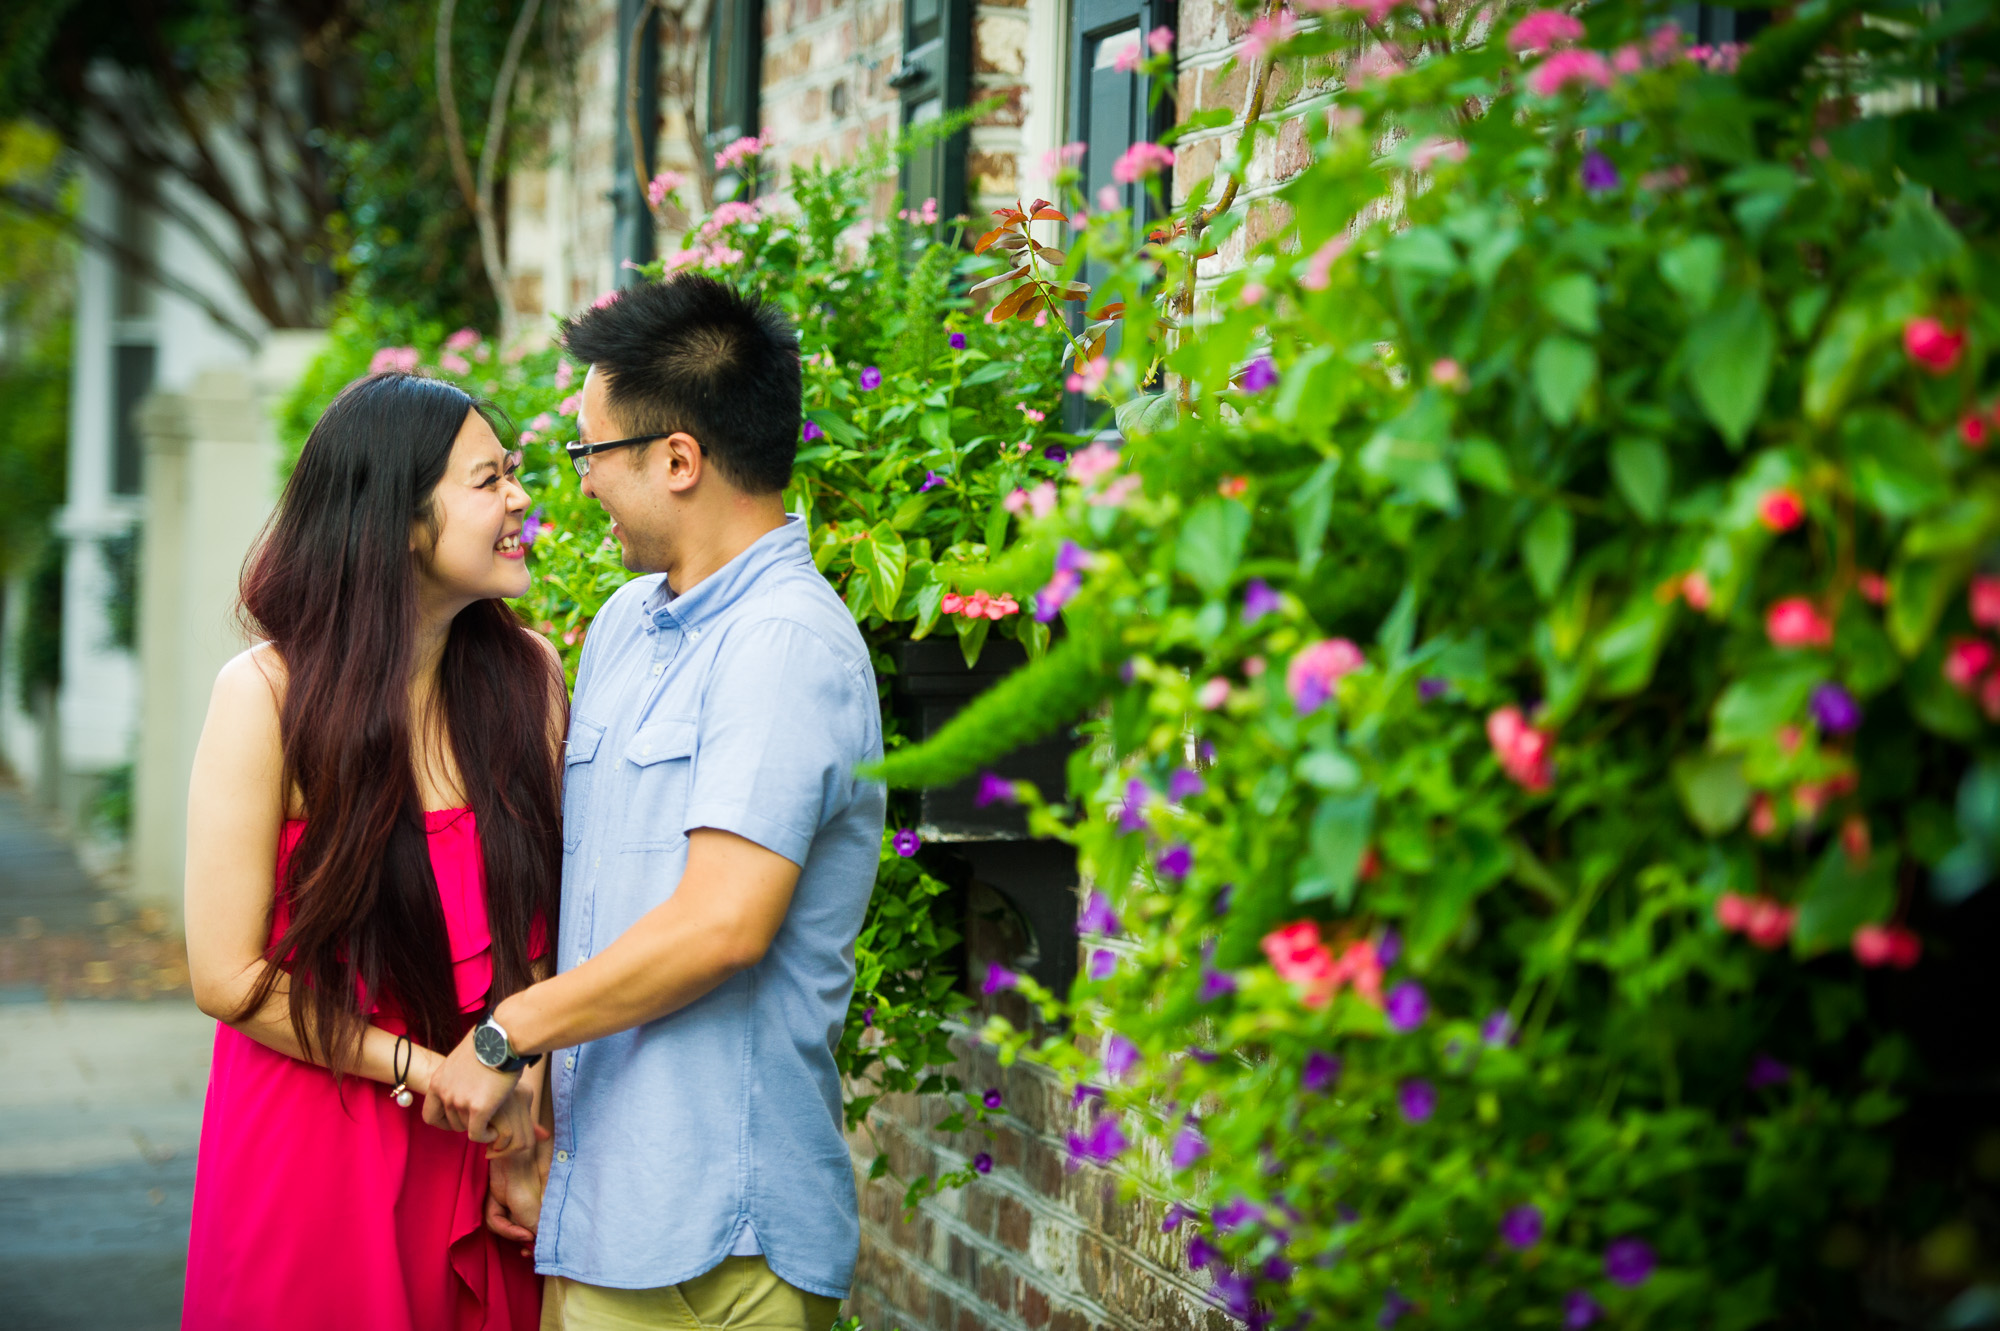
[[403, 1098]]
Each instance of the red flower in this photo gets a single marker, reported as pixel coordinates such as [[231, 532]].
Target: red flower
[[1781, 509], [1797, 622], [1966, 660], [1983, 601], [1856, 839], [1770, 923], [1989, 696], [1522, 749], [1874, 588], [1972, 430], [1887, 945], [1763, 816], [1694, 586], [1732, 912], [1931, 345]]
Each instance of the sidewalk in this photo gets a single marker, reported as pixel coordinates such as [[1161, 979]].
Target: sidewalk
[[100, 1107]]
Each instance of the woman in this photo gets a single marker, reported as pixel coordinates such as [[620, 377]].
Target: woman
[[374, 852]]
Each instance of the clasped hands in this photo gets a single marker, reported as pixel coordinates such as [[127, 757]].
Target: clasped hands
[[493, 1108]]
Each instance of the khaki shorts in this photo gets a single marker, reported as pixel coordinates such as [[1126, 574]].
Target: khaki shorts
[[742, 1295]]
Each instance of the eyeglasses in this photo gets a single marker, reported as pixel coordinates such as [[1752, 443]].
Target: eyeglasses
[[579, 454]]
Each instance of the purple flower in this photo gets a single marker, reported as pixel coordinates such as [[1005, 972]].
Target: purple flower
[[1056, 453], [1419, 1099], [1629, 1261], [993, 790], [992, 1097], [1236, 1213], [998, 977], [1407, 1005], [1259, 375], [1132, 813], [1072, 558], [1767, 1071], [1215, 984], [1185, 784], [871, 379], [1120, 1056], [905, 843], [1233, 1292], [1259, 600], [1189, 1147], [1177, 861], [1103, 964], [1200, 1055], [1085, 1092], [1100, 1146], [982, 1163], [1175, 1214], [1497, 1029], [931, 481], [1097, 916], [1277, 1270], [1200, 1252], [1431, 688], [958, 341], [1580, 1310], [1598, 174], [1223, 896], [868, 1015], [533, 526], [1394, 1305], [1388, 947], [1522, 1226], [1835, 710], [1320, 1073], [1061, 589], [812, 431]]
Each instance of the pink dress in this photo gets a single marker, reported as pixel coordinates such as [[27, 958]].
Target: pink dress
[[330, 1208]]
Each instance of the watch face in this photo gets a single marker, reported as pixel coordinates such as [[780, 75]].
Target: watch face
[[489, 1044]]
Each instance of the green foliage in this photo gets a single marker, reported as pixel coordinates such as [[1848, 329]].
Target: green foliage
[[1455, 538], [39, 643], [36, 262]]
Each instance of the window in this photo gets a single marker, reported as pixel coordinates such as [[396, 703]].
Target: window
[[1713, 25], [735, 59], [935, 78], [131, 379]]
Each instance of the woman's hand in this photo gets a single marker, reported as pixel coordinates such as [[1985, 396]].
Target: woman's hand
[[514, 1196], [515, 1131]]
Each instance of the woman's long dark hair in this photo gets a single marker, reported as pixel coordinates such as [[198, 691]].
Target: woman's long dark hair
[[333, 586]]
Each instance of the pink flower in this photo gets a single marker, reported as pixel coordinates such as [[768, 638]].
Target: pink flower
[[604, 300], [1160, 40], [1965, 660], [565, 372], [1266, 33], [1253, 293], [1564, 68], [662, 185], [570, 405], [1543, 29], [1298, 956], [1140, 161], [1797, 622], [1770, 923], [1732, 911], [1089, 377], [1984, 601], [529, 436], [1372, 64], [1088, 464], [1874, 588], [1016, 502], [1319, 269], [952, 603], [1313, 673], [1057, 160], [401, 360], [454, 363], [722, 256], [733, 213], [1127, 59], [1887, 945], [1931, 345], [743, 150], [1447, 373], [1213, 694], [1373, 11], [463, 340], [1117, 493], [1436, 149], [1522, 749], [1695, 588], [1972, 429], [1781, 509], [1628, 59]]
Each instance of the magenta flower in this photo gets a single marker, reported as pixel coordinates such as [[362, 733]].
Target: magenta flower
[[1407, 1006], [1629, 1262], [1580, 1310], [812, 431], [1120, 1056], [1175, 1214], [1313, 672], [993, 790], [1597, 173], [533, 526], [1542, 29], [992, 1098], [1835, 710], [1767, 1071], [931, 481], [1200, 1252], [1418, 1098], [1259, 600], [905, 842], [1185, 784], [1215, 984], [1177, 861], [1320, 1073], [1522, 1226], [398, 360], [871, 379], [1132, 813], [1084, 1092], [1097, 917], [1103, 964], [958, 341], [1100, 1146], [1061, 589], [1189, 1147], [1233, 1215], [1260, 375], [982, 1163], [1565, 68], [998, 977]]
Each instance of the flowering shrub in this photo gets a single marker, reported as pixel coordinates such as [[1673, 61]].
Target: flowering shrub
[[1538, 681]]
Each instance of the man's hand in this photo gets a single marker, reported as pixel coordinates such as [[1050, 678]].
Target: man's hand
[[465, 1095], [514, 1185]]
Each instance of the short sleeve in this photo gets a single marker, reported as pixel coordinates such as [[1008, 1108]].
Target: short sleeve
[[780, 735]]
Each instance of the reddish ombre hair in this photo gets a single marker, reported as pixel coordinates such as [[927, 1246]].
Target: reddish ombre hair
[[333, 586]]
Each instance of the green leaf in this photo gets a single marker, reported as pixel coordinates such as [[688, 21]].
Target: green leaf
[[1148, 413], [1628, 648], [1484, 463], [1757, 704], [1563, 371], [1850, 335], [1485, 255], [1546, 546], [996, 529], [1841, 897], [935, 427], [1311, 506], [836, 426], [1712, 790], [1571, 301], [1473, 861], [1919, 591], [1693, 269], [1399, 627], [1424, 250], [971, 637], [1979, 803], [1729, 354], [1642, 473], [882, 553], [1211, 543], [1339, 838]]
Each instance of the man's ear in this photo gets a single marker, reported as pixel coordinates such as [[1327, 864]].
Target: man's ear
[[683, 459]]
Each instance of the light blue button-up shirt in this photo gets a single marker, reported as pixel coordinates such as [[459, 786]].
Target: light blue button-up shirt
[[746, 704]]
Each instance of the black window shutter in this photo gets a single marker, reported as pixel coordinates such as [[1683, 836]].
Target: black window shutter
[[1713, 25], [735, 70], [935, 79]]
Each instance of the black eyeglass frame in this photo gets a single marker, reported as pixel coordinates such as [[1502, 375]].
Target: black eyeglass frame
[[579, 453]]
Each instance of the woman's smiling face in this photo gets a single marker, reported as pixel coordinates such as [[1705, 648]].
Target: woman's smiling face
[[472, 549]]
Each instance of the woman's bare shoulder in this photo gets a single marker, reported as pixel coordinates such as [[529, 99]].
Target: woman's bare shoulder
[[251, 683]]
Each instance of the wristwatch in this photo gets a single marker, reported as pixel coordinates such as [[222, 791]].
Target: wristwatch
[[496, 1051]]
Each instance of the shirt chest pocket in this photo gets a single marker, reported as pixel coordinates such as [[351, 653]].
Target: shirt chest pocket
[[661, 754], [579, 767]]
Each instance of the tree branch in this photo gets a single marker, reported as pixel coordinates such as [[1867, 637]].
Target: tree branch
[[489, 157], [454, 133], [42, 207], [639, 165]]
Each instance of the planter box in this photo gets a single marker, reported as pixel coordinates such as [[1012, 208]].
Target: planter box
[[964, 842]]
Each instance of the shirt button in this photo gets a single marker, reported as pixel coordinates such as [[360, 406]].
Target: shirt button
[[562, 1157], [569, 1060], [657, 669]]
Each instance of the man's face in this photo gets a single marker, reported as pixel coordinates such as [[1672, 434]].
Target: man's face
[[628, 483]]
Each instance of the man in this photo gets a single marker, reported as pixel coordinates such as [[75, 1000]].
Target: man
[[718, 854]]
